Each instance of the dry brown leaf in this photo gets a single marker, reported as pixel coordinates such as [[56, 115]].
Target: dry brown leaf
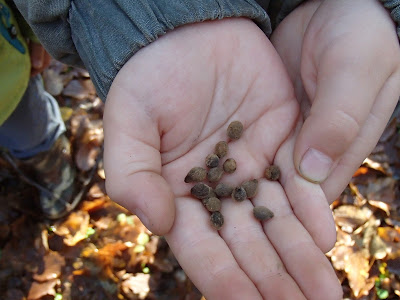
[[52, 264], [382, 189], [39, 290], [94, 205], [85, 157], [349, 217], [381, 205], [357, 269], [340, 256], [79, 89], [138, 285], [377, 247], [373, 165], [74, 229]]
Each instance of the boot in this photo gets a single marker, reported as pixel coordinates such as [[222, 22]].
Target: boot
[[53, 170]]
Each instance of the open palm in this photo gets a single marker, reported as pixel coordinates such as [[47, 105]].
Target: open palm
[[167, 108]]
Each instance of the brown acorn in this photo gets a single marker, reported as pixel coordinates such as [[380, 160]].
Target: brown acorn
[[272, 173], [235, 130], [221, 149], [212, 204], [215, 174], [201, 191], [239, 193], [262, 213], [229, 165], [250, 187], [217, 220], [212, 160], [196, 174], [223, 190]]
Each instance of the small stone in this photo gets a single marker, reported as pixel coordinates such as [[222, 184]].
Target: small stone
[[235, 130], [212, 204], [212, 160], [262, 213], [217, 220], [239, 193], [223, 190], [250, 187], [215, 174], [272, 173], [229, 165], [201, 191], [221, 149], [196, 174]]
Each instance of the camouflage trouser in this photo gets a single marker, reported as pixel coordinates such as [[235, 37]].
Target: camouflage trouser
[[34, 125]]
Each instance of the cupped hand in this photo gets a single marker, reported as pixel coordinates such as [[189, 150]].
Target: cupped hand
[[343, 58], [167, 108]]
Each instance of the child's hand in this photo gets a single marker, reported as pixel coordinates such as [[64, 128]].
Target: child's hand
[[167, 108], [40, 59], [343, 57]]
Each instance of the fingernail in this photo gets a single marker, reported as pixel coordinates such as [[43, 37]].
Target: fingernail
[[315, 165], [143, 218]]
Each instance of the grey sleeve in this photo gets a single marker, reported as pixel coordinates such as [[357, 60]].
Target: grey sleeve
[[394, 8], [278, 9], [102, 35]]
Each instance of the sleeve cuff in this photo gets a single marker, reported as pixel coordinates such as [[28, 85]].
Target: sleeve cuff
[[108, 33]]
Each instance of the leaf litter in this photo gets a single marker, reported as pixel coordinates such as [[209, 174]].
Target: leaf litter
[[101, 251]]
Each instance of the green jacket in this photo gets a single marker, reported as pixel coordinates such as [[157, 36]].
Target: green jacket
[[14, 61]]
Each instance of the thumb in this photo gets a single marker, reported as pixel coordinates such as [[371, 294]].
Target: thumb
[[133, 164], [342, 95]]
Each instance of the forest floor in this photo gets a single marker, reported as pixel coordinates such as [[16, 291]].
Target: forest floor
[[101, 251]]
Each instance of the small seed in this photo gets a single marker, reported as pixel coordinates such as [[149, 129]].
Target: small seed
[[239, 194], [201, 191], [250, 187], [221, 149], [196, 174], [217, 220], [262, 213], [229, 165], [212, 204], [235, 130], [223, 190], [215, 174], [272, 173], [212, 160]]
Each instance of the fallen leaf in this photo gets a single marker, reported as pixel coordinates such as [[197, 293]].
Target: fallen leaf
[[94, 205], [52, 264], [74, 229], [357, 269], [79, 89], [39, 290], [349, 217], [138, 285], [393, 266], [85, 157]]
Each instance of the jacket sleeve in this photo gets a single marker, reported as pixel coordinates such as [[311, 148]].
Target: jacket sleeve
[[278, 9], [102, 35], [394, 8]]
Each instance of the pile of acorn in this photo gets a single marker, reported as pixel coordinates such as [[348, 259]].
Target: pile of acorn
[[211, 196]]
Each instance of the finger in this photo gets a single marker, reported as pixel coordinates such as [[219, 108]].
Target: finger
[[366, 140], [37, 53], [343, 98], [133, 163], [307, 199], [205, 257], [254, 252], [304, 261]]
